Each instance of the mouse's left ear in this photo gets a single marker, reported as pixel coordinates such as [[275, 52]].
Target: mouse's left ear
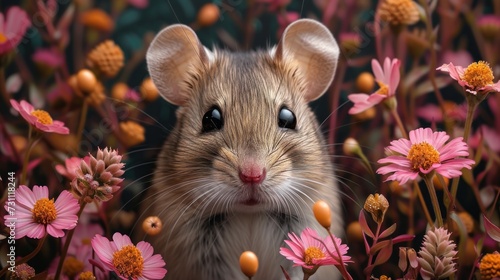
[[308, 46]]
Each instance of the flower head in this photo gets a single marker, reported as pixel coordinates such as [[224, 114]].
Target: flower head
[[489, 26], [98, 178], [39, 119], [38, 215], [424, 152], [127, 260], [387, 79], [22, 272], [12, 28], [106, 58], [376, 205], [490, 266], [436, 256], [308, 251], [399, 12], [477, 77]]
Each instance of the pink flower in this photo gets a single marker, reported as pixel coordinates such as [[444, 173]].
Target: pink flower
[[477, 77], [308, 252], [12, 28], [48, 57], [70, 166], [425, 152], [129, 261], [40, 119], [38, 215], [139, 4], [387, 79]]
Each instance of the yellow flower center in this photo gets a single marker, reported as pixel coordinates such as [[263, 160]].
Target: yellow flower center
[[72, 267], [42, 116], [384, 89], [311, 254], [128, 261], [478, 74], [44, 211], [3, 38], [422, 155], [87, 275]]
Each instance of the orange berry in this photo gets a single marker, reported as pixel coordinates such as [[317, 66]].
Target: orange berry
[[208, 14], [97, 19], [249, 263], [365, 82], [354, 232], [119, 91], [468, 256], [322, 213], [152, 225], [86, 80], [148, 90]]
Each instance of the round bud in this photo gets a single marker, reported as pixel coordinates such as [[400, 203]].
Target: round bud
[[437, 182], [86, 80], [152, 225], [249, 263], [119, 91], [351, 147], [322, 213], [365, 82], [208, 14]]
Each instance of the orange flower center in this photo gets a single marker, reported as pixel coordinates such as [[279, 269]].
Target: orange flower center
[[44, 211], [128, 261], [42, 116], [422, 155], [86, 241], [490, 266], [3, 38], [478, 74], [383, 90], [311, 254], [72, 267], [87, 275]]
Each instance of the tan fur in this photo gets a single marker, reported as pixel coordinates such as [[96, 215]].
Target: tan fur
[[196, 190]]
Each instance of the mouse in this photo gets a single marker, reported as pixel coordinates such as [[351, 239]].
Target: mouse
[[246, 159]]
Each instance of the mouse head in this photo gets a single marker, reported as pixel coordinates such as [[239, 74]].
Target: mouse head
[[245, 136]]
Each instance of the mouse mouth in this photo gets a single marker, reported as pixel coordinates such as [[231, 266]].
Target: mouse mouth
[[250, 202]]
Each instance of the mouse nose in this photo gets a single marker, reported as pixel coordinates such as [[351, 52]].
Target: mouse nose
[[252, 174]]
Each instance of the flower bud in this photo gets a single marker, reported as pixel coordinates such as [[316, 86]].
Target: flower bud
[[249, 263], [322, 213]]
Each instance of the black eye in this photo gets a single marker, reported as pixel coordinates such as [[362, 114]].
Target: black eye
[[212, 120], [286, 118]]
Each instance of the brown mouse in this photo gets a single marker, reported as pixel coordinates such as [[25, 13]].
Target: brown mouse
[[247, 159]]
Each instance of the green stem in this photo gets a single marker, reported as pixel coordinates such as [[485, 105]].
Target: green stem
[[68, 241], [400, 124], [27, 257], [471, 108], [27, 156], [81, 123], [435, 203]]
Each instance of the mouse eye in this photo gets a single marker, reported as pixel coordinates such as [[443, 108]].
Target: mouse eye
[[286, 118], [212, 120]]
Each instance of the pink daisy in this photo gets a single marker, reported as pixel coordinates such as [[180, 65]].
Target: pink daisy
[[12, 28], [387, 79], [40, 119], [38, 215], [477, 77], [308, 252], [48, 57], [129, 261], [425, 152]]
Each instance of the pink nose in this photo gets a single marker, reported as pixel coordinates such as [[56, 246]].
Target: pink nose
[[252, 174]]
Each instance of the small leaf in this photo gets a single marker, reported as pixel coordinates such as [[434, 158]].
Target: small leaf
[[384, 254], [403, 238], [364, 226], [287, 277], [377, 247], [388, 231], [492, 230]]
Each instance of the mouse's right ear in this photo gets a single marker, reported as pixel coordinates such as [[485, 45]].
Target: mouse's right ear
[[175, 58]]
